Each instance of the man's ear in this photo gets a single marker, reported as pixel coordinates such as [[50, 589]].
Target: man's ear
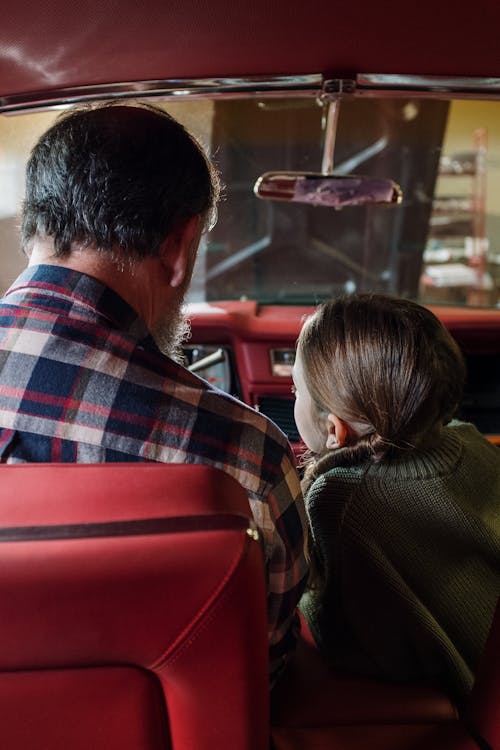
[[338, 432], [176, 249]]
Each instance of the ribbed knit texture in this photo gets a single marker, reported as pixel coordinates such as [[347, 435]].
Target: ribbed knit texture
[[410, 552]]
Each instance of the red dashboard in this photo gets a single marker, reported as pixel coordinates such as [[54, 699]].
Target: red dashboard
[[259, 342]]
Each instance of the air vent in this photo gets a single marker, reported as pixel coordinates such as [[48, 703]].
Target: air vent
[[280, 410]]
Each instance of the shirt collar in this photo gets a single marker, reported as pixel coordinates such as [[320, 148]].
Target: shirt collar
[[83, 293]]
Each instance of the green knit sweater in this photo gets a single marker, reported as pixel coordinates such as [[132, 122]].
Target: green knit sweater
[[409, 555]]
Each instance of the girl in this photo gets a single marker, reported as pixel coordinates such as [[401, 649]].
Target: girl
[[403, 504]]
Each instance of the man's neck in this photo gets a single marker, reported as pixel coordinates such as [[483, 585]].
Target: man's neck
[[138, 282]]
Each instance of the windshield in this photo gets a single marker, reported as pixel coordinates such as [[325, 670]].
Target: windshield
[[438, 246]]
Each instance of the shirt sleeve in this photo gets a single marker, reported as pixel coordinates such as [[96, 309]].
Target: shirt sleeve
[[281, 518]]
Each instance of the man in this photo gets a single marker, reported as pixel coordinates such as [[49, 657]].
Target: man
[[117, 197]]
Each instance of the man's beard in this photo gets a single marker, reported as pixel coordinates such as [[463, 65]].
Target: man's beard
[[175, 329], [171, 333]]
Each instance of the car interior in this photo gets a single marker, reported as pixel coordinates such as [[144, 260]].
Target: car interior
[[359, 151], [109, 633]]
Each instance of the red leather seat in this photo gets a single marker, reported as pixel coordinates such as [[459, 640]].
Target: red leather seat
[[482, 713], [313, 708], [314, 695], [133, 610]]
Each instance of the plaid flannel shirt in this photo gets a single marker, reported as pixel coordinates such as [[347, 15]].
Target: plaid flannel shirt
[[81, 380]]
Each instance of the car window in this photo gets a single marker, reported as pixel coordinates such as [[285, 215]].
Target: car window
[[437, 246]]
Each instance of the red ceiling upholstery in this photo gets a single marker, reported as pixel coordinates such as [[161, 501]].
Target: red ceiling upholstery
[[56, 44]]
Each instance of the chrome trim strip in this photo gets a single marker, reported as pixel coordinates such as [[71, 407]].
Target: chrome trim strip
[[374, 84], [364, 84], [200, 87]]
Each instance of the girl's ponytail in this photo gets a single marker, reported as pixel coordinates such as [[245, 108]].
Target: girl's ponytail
[[385, 364]]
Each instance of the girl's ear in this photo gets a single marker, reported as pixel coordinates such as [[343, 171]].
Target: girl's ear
[[338, 432]]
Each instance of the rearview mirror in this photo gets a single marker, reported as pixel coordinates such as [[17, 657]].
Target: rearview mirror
[[334, 191]]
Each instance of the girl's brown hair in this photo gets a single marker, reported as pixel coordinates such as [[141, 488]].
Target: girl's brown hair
[[385, 364]]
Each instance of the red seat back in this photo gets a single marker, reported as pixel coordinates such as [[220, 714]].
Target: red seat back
[[133, 609], [315, 708], [483, 708]]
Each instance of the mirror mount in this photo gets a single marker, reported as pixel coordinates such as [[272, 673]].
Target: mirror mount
[[332, 118], [326, 188]]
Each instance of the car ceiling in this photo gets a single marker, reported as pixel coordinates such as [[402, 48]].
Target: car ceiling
[[59, 43]]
